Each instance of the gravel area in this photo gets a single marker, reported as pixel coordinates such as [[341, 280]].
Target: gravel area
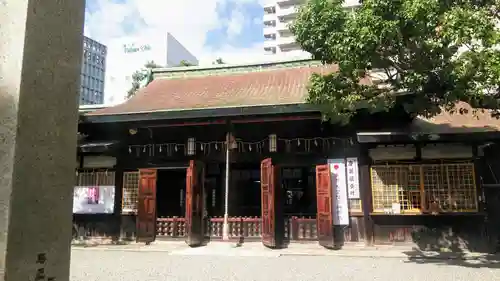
[[157, 266]]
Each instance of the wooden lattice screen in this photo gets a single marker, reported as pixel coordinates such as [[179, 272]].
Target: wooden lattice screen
[[355, 205], [93, 178], [130, 192], [424, 188]]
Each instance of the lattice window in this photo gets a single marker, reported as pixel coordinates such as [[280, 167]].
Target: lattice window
[[396, 187], [130, 192], [429, 187], [450, 187], [355, 205], [93, 178]]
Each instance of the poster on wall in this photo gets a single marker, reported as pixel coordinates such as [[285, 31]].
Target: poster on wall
[[352, 178], [340, 204], [93, 199]]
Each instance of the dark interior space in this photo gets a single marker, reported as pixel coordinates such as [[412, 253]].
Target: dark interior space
[[299, 186], [171, 193], [246, 178]]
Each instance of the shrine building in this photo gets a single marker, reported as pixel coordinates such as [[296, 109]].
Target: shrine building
[[289, 176]]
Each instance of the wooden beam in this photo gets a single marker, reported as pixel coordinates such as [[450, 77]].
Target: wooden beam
[[275, 119], [237, 121], [184, 124]]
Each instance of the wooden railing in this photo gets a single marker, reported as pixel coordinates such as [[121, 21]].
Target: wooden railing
[[248, 227], [171, 227], [296, 228], [302, 228]]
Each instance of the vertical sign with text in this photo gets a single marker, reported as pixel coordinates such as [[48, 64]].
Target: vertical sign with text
[[340, 204], [352, 178]]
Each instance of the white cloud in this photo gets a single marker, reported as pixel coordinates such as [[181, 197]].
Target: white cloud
[[188, 21], [236, 23]]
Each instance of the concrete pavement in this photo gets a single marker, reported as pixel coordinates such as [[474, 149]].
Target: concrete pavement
[[256, 249], [132, 265]]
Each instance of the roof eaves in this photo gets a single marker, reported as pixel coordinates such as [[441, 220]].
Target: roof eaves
[[203, 113]]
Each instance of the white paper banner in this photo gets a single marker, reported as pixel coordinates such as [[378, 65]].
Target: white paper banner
[[93, 199], [352, 178], [339, 185]]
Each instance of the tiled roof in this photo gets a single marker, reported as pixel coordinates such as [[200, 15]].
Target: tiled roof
[[447, 123], [252, 86]]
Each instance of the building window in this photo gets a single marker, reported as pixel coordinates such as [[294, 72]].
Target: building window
[[428, 188], [130, 192]]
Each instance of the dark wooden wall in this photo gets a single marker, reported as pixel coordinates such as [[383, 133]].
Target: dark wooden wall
[[455, 232]]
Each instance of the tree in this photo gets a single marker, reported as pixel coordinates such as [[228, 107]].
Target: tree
[[219, 61], [139, 77], [423, 55], [185, 63]]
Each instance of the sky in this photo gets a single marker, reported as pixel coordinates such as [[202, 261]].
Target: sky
[[229, 29]]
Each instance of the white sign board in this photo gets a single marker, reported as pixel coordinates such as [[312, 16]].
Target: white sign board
[[339, 191], [93, 199], [352, 178]]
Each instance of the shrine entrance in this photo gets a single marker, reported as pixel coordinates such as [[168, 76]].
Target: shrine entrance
[[171, 192], [193, 206]]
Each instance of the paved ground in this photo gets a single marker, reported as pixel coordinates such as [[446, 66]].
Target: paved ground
[[197, 265]]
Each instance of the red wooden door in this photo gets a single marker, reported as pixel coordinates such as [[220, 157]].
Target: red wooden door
[[273, 229], [324, 206], [195, 178], [146, 210]]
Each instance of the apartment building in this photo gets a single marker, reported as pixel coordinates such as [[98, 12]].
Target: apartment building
[[278, 15]]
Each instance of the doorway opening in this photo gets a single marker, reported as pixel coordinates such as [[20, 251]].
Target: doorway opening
[[246, 186], [299, 187], [171, 193], [299, 202]]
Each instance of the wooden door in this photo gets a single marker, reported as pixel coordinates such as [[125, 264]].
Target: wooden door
[[146, 210], [324, 206], [273, 228], [194, 204]]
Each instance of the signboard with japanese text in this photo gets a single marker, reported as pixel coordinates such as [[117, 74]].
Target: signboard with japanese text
[[352, 178], [93, 199], [340, 204]]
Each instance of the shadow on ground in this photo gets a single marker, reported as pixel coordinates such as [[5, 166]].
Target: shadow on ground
[[454, 259], [448, 248]]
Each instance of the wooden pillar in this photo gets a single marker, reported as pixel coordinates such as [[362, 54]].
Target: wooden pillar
[[366, 195], [117, 212], [478, 168]]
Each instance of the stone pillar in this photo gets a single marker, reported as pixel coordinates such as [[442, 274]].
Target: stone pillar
[[40, 58]]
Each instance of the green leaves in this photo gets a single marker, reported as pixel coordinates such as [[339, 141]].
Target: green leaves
[[185, 63], [439, 52], [139, 76]]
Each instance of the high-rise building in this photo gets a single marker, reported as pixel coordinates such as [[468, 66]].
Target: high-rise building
[[93, 72], [278, 15], [129, 54]]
